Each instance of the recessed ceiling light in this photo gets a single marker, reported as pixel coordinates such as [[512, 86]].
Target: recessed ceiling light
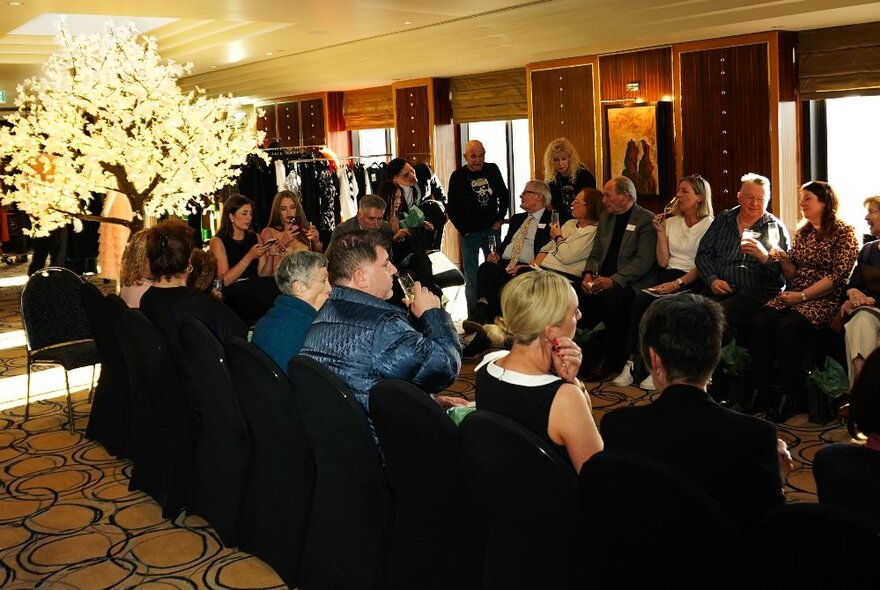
[[268, 53], [14, 3], [212, 67], [407, 22]]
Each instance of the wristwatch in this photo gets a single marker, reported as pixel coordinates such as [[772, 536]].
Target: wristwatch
[[803, 296], [679, 282]]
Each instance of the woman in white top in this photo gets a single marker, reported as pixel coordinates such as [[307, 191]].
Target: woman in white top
[[572, 243], [678, 237]]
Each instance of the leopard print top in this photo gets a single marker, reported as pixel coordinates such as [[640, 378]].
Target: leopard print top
[[834, 258]]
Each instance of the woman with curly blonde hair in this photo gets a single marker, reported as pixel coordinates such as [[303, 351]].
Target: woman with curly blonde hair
[[566, 175], [134, 271], [536, 383]]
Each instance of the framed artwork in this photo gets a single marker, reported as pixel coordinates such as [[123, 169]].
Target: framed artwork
[[638, 145]]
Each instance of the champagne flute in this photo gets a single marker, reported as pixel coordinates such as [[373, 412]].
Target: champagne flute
[[773, 234], [554, 218], [746, 235], [493, 246], [670, 207], [407, 284]]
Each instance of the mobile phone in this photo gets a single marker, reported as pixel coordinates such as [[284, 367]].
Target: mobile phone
[[294, 220], [270, 242]]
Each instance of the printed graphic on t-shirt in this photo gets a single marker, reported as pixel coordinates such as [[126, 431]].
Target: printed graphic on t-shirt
[[567, 195], [481, 188]]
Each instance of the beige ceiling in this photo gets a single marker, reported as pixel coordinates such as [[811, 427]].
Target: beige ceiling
[[346, 44]]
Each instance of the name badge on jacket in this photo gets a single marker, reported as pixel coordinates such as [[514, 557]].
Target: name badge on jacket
[[631, 227], [542, 225]]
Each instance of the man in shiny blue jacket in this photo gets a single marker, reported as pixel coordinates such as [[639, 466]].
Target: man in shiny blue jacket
[[363, 339]]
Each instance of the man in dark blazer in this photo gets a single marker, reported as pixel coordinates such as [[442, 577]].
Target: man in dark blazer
[[499, 268], [735, 458], [622, 262]]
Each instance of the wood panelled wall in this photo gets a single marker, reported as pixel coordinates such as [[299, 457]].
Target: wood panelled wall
[[413, 123], [312, 119], [651, 68], [725, 114], [731, 117], [562, 104]]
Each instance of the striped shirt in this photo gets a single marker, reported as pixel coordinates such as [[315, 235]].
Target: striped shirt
[[719, 255]]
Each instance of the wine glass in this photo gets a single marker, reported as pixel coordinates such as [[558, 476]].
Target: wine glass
[[670, 207], [554, 218], [493, 246], [773, 234], [747, 235], [407, 284]]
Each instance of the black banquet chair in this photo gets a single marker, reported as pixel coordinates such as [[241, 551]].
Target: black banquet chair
[[842, 548], [348, 521], [280, 475], [56, 328], [161, 440], [848, 476], [684, 538], [108, 419], [222, 441], [420, 445], [527, 499]]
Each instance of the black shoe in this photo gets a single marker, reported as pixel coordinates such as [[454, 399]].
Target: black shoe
[[478, 346]]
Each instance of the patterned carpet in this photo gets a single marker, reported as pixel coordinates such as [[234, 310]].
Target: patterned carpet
[[68, 521]]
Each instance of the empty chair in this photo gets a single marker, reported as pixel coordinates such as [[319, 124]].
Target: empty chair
[[280, 476], [683, 536], [420, 445], [527, 499], [108, 419], [162, 441], [848, 476], [348, 521], [56, 328], [222, 441], [844, 545]]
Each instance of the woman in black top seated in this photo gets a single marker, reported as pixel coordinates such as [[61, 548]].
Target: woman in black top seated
[[169, 302], [535, 383], [242, 262]]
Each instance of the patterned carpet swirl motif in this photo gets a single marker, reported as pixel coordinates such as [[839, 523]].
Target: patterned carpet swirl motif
[[68, 520]]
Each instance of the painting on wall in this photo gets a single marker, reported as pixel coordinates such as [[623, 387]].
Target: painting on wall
[[638, 146]]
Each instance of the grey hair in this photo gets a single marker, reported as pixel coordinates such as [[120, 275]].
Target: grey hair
[[624, 185], [298, 266], [542, 188], [371, 202], [761, 181]]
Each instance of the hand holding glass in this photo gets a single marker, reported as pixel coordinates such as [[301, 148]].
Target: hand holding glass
[[747, 235], [407, 284], [492, 245]]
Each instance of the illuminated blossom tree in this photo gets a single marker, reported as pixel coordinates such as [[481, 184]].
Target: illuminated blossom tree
[[108, 115]]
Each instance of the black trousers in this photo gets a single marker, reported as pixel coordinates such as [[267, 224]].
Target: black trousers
[[53, 247], [491, 278], [613, 308], [783, 335], [739, 310]]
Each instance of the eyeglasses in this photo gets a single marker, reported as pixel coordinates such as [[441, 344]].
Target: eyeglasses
[[529, 192]]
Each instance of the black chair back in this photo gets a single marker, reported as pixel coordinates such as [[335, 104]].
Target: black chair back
[[223, 444], [527, 498], [848, 476], [50, 309], [685, 538], [108, 419], [56, 329], [420, 446], [844, 548], [162, 432], [348, 522], [280, 477]]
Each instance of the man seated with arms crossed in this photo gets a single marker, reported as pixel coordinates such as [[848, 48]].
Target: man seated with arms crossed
[[362, 338], [528, 233], [622, 262], [737, 459], [740, 273]]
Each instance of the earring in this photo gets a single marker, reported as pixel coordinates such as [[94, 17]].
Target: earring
[[189, 268]]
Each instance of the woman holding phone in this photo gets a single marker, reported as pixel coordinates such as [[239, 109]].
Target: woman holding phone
[[288, 229]]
